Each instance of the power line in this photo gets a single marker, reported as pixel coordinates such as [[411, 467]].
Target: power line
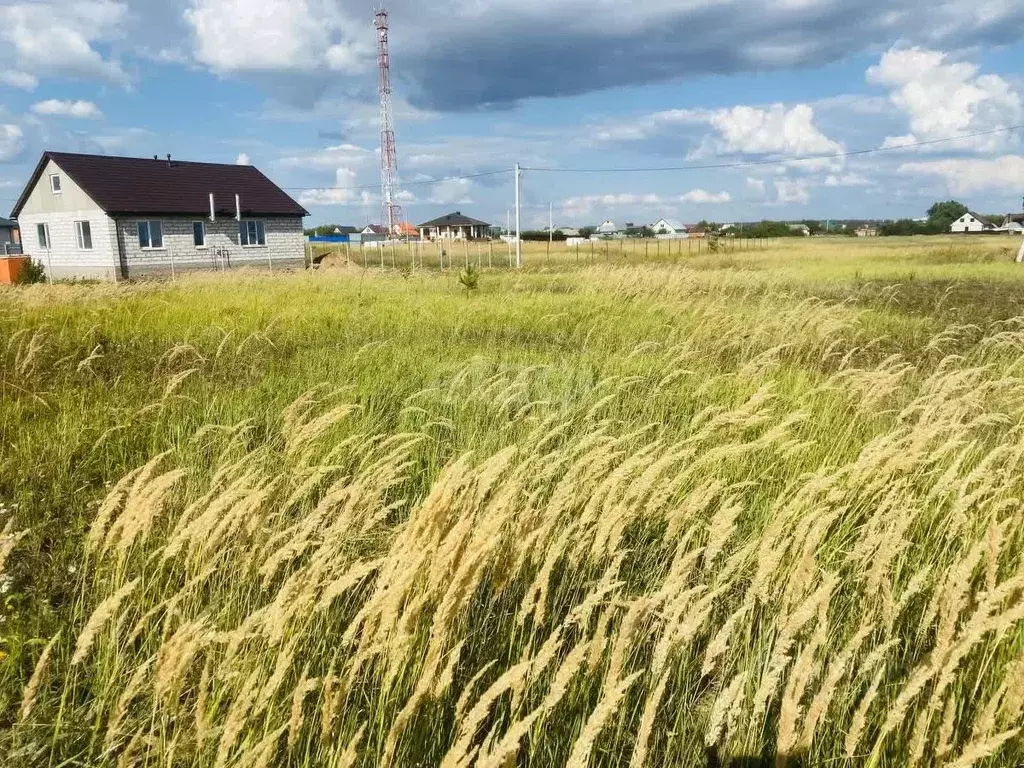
[[404, 183], [775, 161]]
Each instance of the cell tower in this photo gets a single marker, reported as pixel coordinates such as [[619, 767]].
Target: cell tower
[[388, 154]]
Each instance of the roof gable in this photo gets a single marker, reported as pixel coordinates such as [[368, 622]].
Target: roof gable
[[129, 185], [980, 219]]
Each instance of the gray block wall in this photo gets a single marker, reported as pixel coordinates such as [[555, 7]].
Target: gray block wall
[[285, 246], [64, 259]]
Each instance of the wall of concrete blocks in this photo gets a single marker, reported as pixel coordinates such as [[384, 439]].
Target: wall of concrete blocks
[[285, 246], [64, 259]]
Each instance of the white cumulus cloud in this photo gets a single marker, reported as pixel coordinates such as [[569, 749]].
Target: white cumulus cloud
[[791, 191], [583, 205], [12, 142], [59, 38], [965, 176], [700, 196], [337, 156], [16, 79], [86, 110], [943, 98], [846, 180], [774, 130], [451, 192], [243, 159], [304, 36], [342, 193], [740, 130]]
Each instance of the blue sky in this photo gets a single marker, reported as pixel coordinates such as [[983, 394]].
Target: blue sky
[[290, 86]]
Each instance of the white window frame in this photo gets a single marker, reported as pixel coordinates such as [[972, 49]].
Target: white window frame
[[80, 235], [245, 242], [57, 190], [149, 235], [201, 223], [44, 230]]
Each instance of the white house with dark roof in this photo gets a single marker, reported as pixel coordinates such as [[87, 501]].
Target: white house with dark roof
[[454, 226], [971, 222], [116, 218]]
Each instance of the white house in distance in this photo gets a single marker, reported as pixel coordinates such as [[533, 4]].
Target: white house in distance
[[115, 218], [971, 222], [666, 230], [454, 226]]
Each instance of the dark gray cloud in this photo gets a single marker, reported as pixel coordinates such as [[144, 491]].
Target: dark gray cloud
[[451, 55], [540, 53]]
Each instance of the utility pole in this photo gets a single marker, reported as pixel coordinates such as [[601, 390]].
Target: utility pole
[[551, 224], [519, 233]]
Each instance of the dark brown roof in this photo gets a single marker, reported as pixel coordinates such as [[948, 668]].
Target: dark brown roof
[[455, 220], [137, 186]]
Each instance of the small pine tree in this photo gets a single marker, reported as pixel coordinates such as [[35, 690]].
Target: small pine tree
[[469, 279]]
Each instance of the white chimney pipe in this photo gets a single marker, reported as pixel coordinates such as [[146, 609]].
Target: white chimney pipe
[[238, 207], [213, 212]]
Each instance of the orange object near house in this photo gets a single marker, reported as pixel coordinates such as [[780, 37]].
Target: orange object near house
[[11, 267]]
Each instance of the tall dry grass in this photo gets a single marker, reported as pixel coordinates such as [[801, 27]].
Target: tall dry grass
[[767, 534]]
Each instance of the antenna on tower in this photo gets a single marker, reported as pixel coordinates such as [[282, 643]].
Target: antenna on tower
[[388, 154]]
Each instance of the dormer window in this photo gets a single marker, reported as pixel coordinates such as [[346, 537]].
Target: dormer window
[[55, 183]]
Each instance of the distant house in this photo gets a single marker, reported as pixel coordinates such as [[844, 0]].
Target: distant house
[[801, 229], [346, 230], [666, 230], [454, 226], [608, 230], [971, 223], [374, 229], [10, 237], [866, 231], [114, 218]]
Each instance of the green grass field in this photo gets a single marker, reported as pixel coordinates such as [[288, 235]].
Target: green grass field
[[761, 505]]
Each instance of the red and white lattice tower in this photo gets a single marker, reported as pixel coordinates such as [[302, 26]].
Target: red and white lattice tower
[[388, 155]]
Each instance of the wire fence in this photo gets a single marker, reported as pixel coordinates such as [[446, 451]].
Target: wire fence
[[500, 254]]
